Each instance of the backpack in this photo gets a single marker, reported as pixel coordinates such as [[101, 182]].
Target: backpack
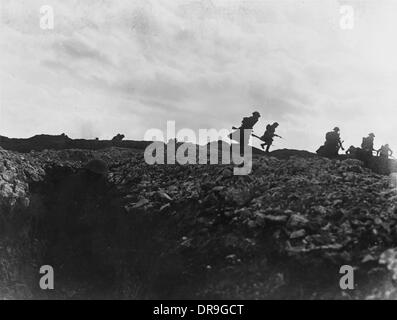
[[367, 143], [331, 137], [269, 133], [248, 123]]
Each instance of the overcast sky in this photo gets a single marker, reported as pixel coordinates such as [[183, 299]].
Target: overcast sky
[[128, 66]]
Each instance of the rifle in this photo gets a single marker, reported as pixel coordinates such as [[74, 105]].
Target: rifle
[[260, 138], [254, 135]]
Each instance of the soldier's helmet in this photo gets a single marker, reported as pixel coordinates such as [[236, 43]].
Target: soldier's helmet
[[256, 114], [276, 124], [372, 135], [97, 166], [336, 129]]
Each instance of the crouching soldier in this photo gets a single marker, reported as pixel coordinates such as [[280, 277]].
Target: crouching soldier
[[367, 145], [352, 152], [332, 144], [384, 152]]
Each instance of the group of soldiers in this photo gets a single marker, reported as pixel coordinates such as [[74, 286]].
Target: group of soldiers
[[330, 148], [244, 132], [333, 144]]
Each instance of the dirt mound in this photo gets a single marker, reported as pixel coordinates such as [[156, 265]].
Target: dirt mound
[[63, 142], [287, 153], [199, 231]]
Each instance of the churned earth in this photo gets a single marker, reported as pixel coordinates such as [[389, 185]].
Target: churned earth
[[198, 231]]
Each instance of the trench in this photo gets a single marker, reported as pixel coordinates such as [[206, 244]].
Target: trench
[[96, 249]]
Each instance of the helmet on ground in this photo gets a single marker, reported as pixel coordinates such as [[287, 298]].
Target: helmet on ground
[[256, 114], [97, 166]]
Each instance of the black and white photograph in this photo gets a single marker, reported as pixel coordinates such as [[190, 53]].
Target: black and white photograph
[[198, 150]]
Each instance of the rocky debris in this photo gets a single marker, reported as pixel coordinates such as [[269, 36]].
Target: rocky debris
[[307, 211], [324, 210], [19, 207], [18, 170], [389, 258], [15, 172]]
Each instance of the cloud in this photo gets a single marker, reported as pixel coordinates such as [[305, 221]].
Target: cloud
[[76, 49], [128, 66]]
